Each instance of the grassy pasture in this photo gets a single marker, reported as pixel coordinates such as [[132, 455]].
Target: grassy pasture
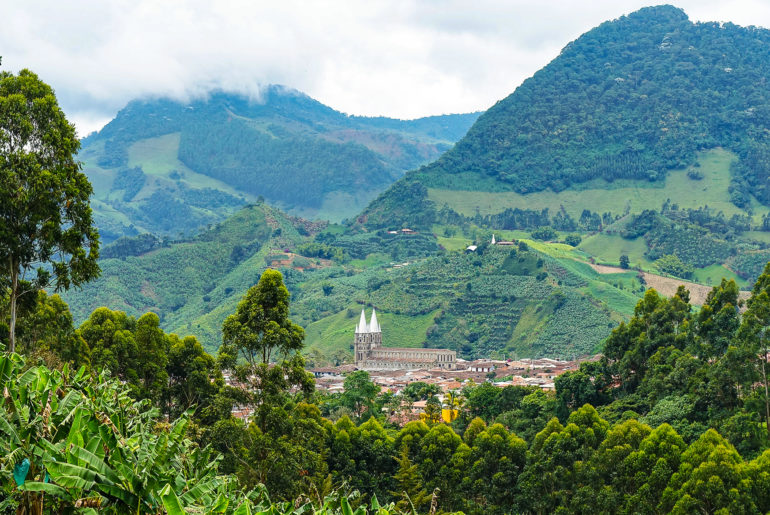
[[602, 196]]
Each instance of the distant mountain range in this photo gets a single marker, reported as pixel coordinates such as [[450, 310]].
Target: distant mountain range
[[169, 167]]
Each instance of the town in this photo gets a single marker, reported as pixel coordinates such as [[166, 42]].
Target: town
[[392, 369]]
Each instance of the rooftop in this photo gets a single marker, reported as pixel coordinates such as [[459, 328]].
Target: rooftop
[[411, 349]]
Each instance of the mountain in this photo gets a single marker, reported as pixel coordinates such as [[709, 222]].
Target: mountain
[[615, 120], [642, 145], [169, 167]]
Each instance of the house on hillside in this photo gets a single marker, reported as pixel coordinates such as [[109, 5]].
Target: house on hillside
[[484, 367], [502, 242]]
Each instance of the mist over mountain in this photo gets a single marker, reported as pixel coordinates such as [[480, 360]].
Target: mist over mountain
[[170, 167]]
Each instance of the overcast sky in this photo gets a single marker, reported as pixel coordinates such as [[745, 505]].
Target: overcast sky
[[398, 58]]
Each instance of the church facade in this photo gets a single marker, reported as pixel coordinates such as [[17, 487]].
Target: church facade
[[371, 355]]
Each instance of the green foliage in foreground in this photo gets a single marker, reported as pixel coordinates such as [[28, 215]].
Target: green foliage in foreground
[[679, 428], [74, 443], [87, 443]]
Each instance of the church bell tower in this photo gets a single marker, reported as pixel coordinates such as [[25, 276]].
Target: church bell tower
[[367, 337]]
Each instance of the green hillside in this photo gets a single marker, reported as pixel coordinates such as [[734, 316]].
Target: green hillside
[[529, 301], [711, 189], [639, 144], [642, 108], [171, 168], [631, 99], [649, 113]]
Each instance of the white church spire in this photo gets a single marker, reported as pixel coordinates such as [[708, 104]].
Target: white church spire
[[361, 327], [374, 327]]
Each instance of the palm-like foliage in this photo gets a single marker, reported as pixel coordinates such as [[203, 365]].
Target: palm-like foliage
[[35, 415], [90, 445], [92, 449]]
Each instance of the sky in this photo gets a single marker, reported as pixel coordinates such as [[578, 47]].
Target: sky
[[397, 58]]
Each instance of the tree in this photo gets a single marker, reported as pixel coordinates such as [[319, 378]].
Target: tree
[[573, 389], [287, 453], [497, 458], [624, 261], [718, 319], [436, 464], [481, 400], [362, 455], [45, 330], [110, 335], [711, 479], [46, 228], [260, 325], [453, 401], [754, 341], [135, 351], [433, 410], [413, 496], [153, 346], [193, 376], [420, 390], [573, 240], [544, 233], [671, 264], [360, 393], [657, 323]]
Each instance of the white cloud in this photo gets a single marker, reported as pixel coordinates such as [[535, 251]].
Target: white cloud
[[401, 58]]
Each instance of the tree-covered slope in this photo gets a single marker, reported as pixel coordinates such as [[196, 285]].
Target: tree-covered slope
[[167, 167], [165, 277], [629, 100], [494, 302]]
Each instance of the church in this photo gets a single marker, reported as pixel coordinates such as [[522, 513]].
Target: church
[[371, 355]]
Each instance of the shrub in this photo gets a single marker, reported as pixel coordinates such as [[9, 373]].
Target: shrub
[[544, 233], [573, 240]]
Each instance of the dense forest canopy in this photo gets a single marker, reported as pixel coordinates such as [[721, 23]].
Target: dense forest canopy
[[631, 99]]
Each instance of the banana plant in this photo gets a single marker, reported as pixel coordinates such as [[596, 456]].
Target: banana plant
[[37, 406], [84, 444], [130, 469]]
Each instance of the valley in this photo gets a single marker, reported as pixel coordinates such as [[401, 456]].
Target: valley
[[559, 305]]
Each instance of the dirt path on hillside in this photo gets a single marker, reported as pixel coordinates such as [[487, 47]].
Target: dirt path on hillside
[[668, 285], [605, 269]]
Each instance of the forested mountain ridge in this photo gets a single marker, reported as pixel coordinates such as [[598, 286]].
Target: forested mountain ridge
[[166, 166], [630, 100]]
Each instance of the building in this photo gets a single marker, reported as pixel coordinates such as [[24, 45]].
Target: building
[[501, 242], [371, 355], [482, 367]]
